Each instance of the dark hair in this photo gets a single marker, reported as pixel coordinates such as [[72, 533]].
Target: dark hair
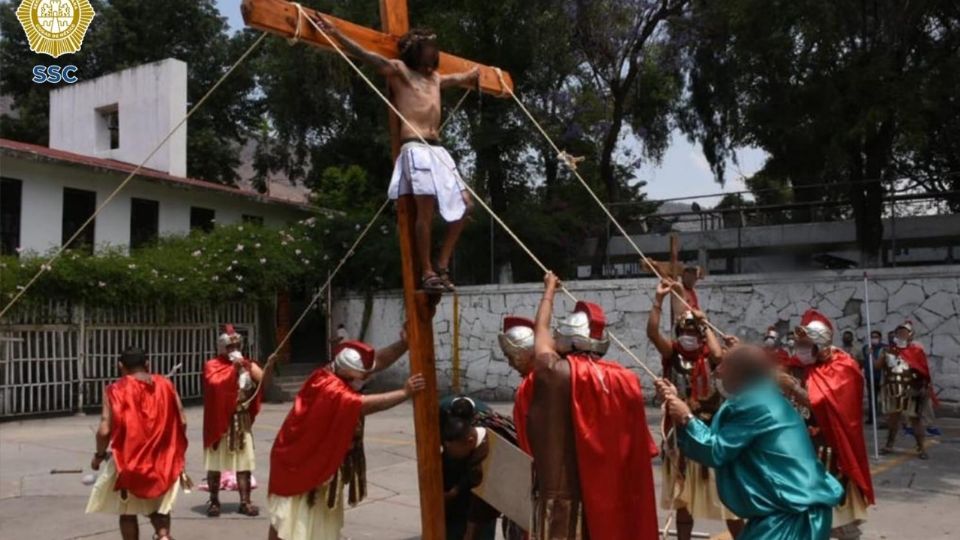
[[133, 357], [455, 424], [876, 333], [411, 47]]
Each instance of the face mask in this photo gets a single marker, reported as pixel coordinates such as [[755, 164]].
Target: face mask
[[805, 356], [791, 343], [689, 343], [718, 384], [358, 384], [769, 342], [900, 343], [875, 341], [235, 356]]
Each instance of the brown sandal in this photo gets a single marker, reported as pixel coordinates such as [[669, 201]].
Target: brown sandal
[[433, 284], [213, 509], [444, 274], [248, 509]]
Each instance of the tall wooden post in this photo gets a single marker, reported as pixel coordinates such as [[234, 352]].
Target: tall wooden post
[[426, 406]]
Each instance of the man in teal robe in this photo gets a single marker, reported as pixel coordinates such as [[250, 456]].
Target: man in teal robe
[[767, 471]]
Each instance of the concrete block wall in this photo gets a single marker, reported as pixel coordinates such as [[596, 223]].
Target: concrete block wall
[[744, 305]]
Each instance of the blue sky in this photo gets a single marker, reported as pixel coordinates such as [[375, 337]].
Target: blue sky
[[684, 170]]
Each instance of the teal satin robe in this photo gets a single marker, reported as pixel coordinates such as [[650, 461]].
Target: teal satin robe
[[767, 472]]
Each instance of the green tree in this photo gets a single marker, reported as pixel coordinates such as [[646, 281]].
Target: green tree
[[125, 33], [855, 94]]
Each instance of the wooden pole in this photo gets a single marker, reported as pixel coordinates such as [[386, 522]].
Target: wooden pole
[[426, 407]]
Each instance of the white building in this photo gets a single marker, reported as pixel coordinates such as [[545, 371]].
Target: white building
[[99, 131]]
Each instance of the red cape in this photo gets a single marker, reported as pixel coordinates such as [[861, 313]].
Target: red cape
[[316, 435], [220, 399], [521, 406], [915, 357], [147, 435], [614, 450], [835, 388]]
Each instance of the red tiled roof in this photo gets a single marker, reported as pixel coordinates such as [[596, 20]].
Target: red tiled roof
[[26, 150]]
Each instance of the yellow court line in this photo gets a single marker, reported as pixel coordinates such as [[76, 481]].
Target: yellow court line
[[900, 459]]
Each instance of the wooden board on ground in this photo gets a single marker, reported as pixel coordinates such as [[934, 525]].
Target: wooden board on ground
[[507, 480]]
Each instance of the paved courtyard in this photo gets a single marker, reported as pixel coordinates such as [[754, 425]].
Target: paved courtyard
[[917, 500]]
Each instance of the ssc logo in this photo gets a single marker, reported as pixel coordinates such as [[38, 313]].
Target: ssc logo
[[55, 27], [54, 74]]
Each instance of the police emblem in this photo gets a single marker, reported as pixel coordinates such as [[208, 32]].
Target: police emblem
[[55, 27]]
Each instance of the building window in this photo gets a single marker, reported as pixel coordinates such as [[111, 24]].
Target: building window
[[201, 219], [253, 220], [11, 201], [144, 222], [78, 206], [108, 127]]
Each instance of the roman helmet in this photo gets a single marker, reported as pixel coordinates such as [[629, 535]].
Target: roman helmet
[[908, 325], [354, 356], [583, 330], [687, 321], [517, 335], [227, 338], [816, 327]]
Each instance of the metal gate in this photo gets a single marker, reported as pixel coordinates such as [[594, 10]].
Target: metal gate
[[58, 357]]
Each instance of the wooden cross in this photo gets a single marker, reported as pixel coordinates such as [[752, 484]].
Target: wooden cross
[[672, 270], [280, 17]]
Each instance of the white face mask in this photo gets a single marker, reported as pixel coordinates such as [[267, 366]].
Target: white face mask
[[358, 384], [718, 384], [805, 356], [900, 342], [875, 341], [769, 342], [689, 343], [235, 356], [791, 344]]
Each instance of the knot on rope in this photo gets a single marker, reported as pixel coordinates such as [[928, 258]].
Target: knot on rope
[[297, 30], [504, 89], [570, 160]]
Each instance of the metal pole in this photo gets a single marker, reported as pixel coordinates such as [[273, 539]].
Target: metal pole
[[870, 368], [81, 358], [329, 303], [893, 232]]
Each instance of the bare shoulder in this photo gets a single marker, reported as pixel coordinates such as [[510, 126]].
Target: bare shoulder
[[551, 369]]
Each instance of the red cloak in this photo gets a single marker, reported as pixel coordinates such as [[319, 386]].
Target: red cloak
[[316, 435], [915, 357], [148, 437], [835, 389], [614, 450], [521, 406], [220, 399]]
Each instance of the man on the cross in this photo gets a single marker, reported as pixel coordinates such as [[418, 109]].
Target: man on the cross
[[588, 433], [425, 171], [229, 379]]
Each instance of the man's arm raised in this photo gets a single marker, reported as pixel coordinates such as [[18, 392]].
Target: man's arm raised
[[663, 345], [383, 65], [387, 400], [542, 337]]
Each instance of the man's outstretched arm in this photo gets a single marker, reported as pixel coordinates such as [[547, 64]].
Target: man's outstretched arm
[[542, 337], [383, 65], [460, 79]]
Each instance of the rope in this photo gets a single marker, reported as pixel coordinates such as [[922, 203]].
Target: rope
[[455, 108], [571, 163], [47, 265], [272, 359], [477, 198]]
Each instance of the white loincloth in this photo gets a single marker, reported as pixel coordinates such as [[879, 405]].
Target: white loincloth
[[224, 459], [103, 498], [429, 170], [294, 519]]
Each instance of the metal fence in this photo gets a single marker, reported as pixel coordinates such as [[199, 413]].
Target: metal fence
[[58, 357]]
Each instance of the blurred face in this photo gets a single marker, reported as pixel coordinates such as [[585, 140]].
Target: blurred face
[[462, 448], [428, 56], [901, 337], [233, 347], [848, 338], [875, 338], [689, 340], [805, 350], [689, 278], [522, 362]]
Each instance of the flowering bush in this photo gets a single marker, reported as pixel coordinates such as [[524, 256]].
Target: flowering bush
[[230, 263]]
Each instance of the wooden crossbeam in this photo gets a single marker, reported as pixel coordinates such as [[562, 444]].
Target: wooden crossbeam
[[280, 17]]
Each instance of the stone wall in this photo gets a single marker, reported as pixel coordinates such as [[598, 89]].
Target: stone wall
[[743, 304]]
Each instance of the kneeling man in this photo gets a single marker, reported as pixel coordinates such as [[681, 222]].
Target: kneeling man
[[767, 470]]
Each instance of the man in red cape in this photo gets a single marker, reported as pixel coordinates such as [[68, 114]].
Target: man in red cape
[[516, 342], [588, 434], [688, 360], [143, 422], [319, 448], [907, 388], [229, 379], [834, 396]]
